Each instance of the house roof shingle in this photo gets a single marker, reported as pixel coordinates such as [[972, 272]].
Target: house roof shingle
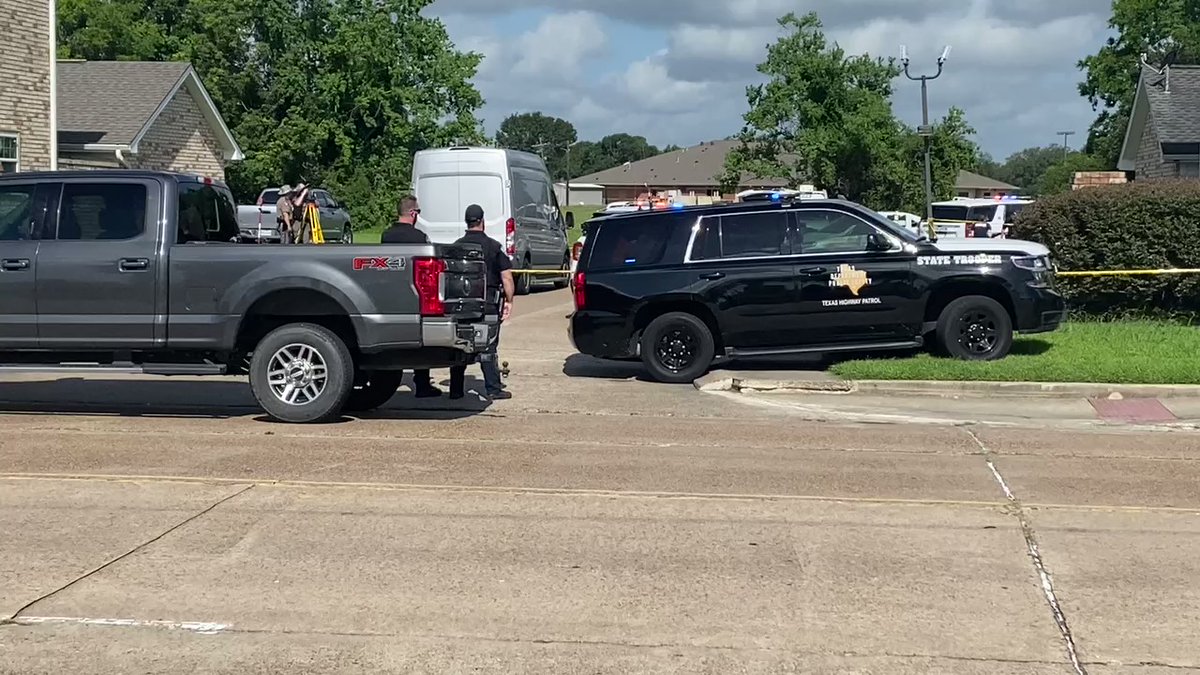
[[109, 102], [968, 180], [697, 166], [1175, 114]]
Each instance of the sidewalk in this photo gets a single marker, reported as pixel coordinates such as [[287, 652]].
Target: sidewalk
[[820, 395]]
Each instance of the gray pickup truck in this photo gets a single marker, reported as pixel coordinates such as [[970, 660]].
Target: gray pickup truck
[[139, 270]]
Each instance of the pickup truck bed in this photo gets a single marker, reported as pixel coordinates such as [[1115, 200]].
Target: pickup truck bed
[[136, 270]]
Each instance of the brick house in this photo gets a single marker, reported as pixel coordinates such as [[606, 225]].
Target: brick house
[[109, 114], [1163, 136]]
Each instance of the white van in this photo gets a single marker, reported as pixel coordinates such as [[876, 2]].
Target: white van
[[517, 196]]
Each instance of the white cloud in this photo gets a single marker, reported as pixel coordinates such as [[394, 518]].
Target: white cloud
[[1013, 68]]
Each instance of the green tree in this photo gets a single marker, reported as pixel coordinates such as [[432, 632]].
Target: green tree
[[1164, 30], [612, 150], [1057, 177], [1025, 168], [542, 134], [335, 92], [824, 117]]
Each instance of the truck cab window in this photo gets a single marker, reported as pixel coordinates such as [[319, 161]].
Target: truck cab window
[[16, 213], [102, 211], [206, 213]]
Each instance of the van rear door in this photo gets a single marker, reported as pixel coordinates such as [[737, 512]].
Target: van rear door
[[447, 181]]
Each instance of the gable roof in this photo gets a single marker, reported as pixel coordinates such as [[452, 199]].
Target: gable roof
[[1170, 103], [969, 180], [697, 166], [109, 105]]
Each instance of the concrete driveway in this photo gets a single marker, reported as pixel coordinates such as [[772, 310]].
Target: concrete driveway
[[594, 523]]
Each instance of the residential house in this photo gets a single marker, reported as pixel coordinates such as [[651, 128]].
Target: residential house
[[1163, 136], [975, 186], [690, 175], [108, 114], [579, 194]]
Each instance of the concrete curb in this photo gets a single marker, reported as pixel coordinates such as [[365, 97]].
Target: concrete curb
[[939, 388]]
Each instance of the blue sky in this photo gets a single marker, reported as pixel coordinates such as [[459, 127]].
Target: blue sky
[[675, 71]]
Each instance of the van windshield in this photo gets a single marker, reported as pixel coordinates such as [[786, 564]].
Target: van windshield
[[444, 199]]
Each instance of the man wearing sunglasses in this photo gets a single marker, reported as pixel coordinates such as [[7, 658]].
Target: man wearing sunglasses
[[404, 231]]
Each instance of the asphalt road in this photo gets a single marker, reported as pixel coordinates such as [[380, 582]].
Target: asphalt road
[[594, 523]]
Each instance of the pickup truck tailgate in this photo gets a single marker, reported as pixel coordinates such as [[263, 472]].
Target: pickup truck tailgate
[[465, 280]]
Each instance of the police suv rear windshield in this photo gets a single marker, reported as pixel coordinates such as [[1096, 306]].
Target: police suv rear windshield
[[624, 243]]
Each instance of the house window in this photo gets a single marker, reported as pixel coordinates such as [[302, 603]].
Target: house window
[[8, 153]]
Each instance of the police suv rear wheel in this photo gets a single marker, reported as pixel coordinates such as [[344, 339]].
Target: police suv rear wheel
[[677, 347], [373, 389], [975, 328], [302, 373]]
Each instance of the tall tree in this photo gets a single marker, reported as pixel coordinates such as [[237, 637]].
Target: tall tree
[[824, 117], [338, 92], [543, 134], [1164, 30], [1057, 177], [1025, 168]]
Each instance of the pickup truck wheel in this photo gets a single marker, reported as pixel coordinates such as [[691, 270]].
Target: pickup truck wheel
[[302, 373], [523, 281], [376, 388], [975, 328], [677, 347]]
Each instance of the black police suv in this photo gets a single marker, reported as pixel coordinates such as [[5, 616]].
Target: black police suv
[[682, 287]]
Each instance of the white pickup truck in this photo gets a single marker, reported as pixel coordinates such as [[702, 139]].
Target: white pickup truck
[[257, 222]]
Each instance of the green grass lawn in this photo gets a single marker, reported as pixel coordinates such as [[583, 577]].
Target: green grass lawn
[[1134, 352]]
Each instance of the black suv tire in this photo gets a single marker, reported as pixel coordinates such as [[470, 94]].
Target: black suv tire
[[374, 389], [677, 347], [296, 354], [975, 328]]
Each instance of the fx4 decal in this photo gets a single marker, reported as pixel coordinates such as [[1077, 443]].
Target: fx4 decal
[[379, 263]]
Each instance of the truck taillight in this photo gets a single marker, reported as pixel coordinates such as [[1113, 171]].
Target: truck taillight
[[575, 251], [577, 285], [427, 276], [510, 237]]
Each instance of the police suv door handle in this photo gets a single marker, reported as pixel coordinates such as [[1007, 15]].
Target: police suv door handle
[[813, 271], [713, 276]]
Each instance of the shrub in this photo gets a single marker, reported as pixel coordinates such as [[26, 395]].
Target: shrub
[[1139, 225]]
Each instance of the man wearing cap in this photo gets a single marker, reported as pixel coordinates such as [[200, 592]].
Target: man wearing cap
[[499, 293], [404, 231], [283, 214]]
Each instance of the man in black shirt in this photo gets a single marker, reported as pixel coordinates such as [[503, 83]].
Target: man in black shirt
[[404, 231], [499, 294]]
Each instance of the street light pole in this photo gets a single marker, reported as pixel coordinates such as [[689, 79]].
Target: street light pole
[[926, 130], [1066, 148]]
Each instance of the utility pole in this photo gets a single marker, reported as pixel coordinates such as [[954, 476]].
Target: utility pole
[[926, 130], [1066, 148]]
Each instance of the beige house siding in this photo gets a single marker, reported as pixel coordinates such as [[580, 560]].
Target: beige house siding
[[1149, 157], [25, 79], [180, 140]]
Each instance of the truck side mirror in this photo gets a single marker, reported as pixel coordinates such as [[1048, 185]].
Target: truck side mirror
[[878, 243]]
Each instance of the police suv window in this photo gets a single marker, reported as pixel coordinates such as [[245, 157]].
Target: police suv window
[[634, 242], [831, 232], [752, 235]]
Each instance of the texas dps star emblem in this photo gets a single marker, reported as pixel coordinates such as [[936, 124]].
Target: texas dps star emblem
[[850, 278]]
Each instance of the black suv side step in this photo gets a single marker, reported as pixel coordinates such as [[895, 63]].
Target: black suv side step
[[826, 349]]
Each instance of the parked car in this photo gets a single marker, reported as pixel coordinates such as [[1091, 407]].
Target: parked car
[[958, 217], [136, 270], [679, 289], [517, 196], [258, 223]]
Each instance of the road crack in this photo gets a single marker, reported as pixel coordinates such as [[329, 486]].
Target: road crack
[[1035, 556], [13, 618]]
